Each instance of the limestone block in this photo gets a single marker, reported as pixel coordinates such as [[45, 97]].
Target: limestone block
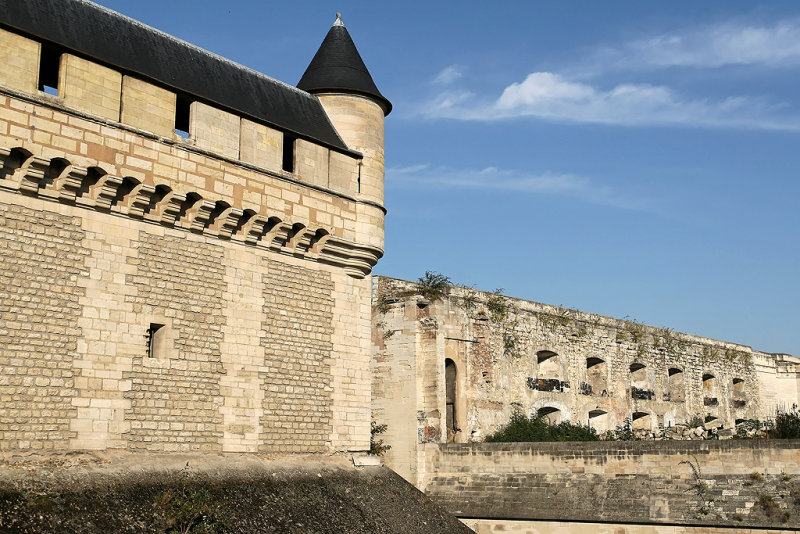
[[343, 173], [261, 146], [20, 59], [148, 107], [311, 163], [214, 129], [90, 87]]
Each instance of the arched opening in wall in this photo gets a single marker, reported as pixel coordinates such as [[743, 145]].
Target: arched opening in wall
[[450, 377], [548, 364], [709, 390], [548, 372], [739, 400], [641, 388], [552, 414], [675, 386], [596, 377], [712, 421], [640, 421], [598, 419], [738, 386]]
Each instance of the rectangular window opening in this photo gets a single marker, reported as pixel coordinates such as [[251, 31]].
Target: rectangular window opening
[[182, 107], [155, 340], [359, 177], [49, 64], [288, 152]]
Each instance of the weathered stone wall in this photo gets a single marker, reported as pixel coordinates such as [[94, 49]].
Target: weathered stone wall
[[81, 294], [41, 261], [177, 399], [297, 375], [733, 484], [511, 354], [170, 294]]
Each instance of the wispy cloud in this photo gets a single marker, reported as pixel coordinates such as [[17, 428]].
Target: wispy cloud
[[448, 75], [730, 43], [521, 182], [550, 96]]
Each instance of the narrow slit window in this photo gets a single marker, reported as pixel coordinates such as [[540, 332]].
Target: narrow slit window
[[49, 65], [288, 152], [155, 340], [182, 106]]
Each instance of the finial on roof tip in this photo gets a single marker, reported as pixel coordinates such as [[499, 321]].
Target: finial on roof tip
[[338, 21]]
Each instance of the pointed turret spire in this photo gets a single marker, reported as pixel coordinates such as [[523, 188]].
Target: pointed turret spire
[[337, 66]]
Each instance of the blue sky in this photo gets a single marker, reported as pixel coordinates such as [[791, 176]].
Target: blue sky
[[633, 159]]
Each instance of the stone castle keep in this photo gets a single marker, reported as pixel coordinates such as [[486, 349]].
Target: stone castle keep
[[187, 243]]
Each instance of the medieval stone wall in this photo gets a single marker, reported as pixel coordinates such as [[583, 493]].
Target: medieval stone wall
[[164, 293], [509, 354], [734, 485]]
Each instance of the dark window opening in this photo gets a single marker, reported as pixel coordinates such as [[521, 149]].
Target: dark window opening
[[288, 152], [359, 176], [49, 64], [450, 375], [155, 335], [182, 107]]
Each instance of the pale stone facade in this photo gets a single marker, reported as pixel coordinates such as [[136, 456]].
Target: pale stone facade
[[163, 293], [455, 369]]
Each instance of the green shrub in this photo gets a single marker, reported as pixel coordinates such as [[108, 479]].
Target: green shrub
[[623, 432], [787, 425], [433, 286], [521, 428], [376, 446]]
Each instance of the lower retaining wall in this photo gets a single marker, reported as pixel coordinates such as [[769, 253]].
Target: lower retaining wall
[[484, 526], [734, 484]]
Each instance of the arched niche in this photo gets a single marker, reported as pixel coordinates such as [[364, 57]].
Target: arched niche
[[553, 414], [598, 419], [675, 385], [641, 421], [712, 421], [548, 364], [709, 382], [738, 387], [597, 376], [710, 390], [641, 386]]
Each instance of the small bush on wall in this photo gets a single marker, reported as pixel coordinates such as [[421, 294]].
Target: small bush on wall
[[521, 428]]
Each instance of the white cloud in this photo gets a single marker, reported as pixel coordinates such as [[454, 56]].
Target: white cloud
[[448, 75], [495, 179], [716, 46], [550, 96]]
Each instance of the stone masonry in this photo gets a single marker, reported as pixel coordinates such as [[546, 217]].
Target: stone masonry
[[180, 294], [507, 355]]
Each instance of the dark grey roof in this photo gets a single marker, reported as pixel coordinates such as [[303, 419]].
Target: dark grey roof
[[337, 66], [96, 32]]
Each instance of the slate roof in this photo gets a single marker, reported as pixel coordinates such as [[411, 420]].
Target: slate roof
[[128, 45], [337, 66]]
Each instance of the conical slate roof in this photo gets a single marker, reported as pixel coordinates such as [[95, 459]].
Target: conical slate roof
[[337, 66]]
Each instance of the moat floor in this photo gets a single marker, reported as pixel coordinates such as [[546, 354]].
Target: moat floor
[[105, 493]]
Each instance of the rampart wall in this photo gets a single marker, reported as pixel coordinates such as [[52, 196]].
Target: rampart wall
[[168, 293], [456, 368], [721, 486]]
